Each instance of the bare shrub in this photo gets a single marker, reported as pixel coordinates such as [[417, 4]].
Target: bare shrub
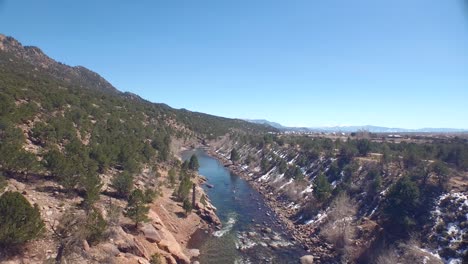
[[388, 256], [412, 253], [113, 212], [409, 252], [75, 229], [339, 229], [69, 234], [293, 191]]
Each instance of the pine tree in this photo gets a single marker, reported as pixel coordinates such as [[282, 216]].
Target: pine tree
[[123, 184], [184, 187], [171, 177], [19, 221], [234, 155], [402, 204], [363, 146], [136, 208], [187, 205], [322, 187], [92, 185], [95, 227], [193, 164]]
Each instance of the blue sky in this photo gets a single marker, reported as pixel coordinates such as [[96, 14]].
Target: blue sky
[[399, 63]]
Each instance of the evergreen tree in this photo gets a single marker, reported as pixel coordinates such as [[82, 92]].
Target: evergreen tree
[[234, 155], [185, 166], [322, 188], [363, 146], [137, 209], [171, 177], [333, 172], [411, 158], [123, 184], [283, 166], [386, 154], [193, 164], [95, 227], [150, 195], [184, 188], [442, 173], [19, 221], [347, 152], [187, 205], [376, 184], [294, 172], [92, 185], [402, 204]]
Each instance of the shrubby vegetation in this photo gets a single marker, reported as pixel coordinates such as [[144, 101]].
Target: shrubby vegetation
[[185, 185], [339, 228], [85, 128], [393, 184], [19, 221], [137, 209], [193, 163], [123, 184], [234, 155], [402, 205], [322, 188]]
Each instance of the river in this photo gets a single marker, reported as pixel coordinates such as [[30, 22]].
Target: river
[[251, 232]]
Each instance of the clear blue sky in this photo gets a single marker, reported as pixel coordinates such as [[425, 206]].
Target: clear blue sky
[[399, 63]]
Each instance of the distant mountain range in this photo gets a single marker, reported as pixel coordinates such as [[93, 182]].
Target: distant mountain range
[[349, 129]]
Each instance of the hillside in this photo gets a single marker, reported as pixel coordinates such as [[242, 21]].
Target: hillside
[[358, 200], [73, 145]]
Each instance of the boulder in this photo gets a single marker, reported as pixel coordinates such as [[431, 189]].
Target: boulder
[[274, 246], [150, 233], [194, 253], [170, 260], [199, 206], [276, 237], [129, 244], [174, 249], [140, 249], [210, 217], [85, 245], [307, 259], [252, 234], [109, 249], [130, 259], [155, 220], [18, 186]]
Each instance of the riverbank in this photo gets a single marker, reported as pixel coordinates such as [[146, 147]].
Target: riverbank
[[303, 234], [251, 232]]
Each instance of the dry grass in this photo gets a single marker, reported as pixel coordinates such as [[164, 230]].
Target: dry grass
[[339, 229], [389, 256]]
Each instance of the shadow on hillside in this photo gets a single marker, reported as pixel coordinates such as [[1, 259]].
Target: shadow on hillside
[[50, 189], [113, 194], [27, 177], [181, 215]]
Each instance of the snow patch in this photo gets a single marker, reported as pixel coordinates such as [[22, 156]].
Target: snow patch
[[309, 189], [289, 182]]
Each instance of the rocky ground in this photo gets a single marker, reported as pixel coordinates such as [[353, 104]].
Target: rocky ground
[[165, 234]]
